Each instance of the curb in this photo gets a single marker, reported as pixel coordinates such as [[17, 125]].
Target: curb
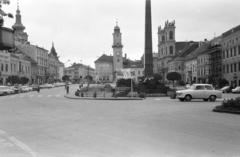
[[91, 98], [226, 111]]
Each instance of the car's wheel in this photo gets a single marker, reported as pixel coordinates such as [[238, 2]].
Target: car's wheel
[[181, 99], [188, 98], [205, 99], [212, 98], [5, 93]]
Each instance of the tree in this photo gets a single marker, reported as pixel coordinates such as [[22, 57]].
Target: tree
[[89, 77], [157, 77], [224, 82], [65, 78], [2, 13], [13, 79], [172, 76], [24, 80]]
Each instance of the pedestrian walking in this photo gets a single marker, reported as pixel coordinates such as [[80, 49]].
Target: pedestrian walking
[[38, 89], [67, 89]]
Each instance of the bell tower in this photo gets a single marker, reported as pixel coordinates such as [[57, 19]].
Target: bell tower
[[117, 49]]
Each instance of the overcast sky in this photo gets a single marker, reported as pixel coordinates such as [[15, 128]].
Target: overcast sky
[[82, 29]]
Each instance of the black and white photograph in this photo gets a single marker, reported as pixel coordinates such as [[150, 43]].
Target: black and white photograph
[[129, 78]]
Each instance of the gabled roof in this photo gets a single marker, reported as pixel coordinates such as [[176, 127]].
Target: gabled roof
[[179, 46], [186, 51], [231, 31], [203, 48], [105, 58]]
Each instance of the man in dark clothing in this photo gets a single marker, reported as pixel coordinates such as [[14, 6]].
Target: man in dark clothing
[[38, 89], [67, 89]]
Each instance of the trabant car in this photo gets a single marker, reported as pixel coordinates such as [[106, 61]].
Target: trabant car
[[199, 91]]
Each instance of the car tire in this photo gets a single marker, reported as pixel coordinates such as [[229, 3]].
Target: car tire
[[181, 99], [5, 94], [188, 98], [205, 99], [212, 98]]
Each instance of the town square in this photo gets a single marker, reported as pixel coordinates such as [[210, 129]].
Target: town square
[[119, 79]]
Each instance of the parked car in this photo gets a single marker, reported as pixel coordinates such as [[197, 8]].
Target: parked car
[[15, 90], [25, 89], [199, 91], [34, 87], [236, 90], [226, 89], [4, 90], [46, 86]]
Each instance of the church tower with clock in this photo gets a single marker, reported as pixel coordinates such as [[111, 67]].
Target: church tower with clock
[[117, 50]]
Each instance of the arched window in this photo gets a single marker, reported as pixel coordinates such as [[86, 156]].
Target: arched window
[[163, 38], [171, 35], [171, 49]]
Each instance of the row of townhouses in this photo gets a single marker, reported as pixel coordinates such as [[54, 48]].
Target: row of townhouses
[[25, 60], [200, 62]]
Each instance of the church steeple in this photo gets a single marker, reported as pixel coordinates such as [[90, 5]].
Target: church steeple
[[53, 51], [18, 26]]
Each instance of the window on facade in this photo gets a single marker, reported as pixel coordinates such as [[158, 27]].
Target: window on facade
[[6, 67], [118, 60], [231, 66], [231, 53], [170, 35], [163, 38], [235, 67], [227, 68], [142, 72], [1, 67], [138, 72], [238, 66], [234, 52], [223, 68], [227, 53], [239, 50], [223, 54], [171, 49]]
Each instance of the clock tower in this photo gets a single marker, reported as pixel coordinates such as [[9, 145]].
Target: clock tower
[[117, 49]]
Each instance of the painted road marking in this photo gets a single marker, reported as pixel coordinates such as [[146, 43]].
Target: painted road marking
[[49, 96], [57, 95], [19, 144], [5, 144], [13, 96], [40, 96], [21, 96], [31, 96], [157, 99]]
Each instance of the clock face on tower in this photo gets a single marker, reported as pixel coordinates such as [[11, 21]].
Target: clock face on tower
[[118, 53]]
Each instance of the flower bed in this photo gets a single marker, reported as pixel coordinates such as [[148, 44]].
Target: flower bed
[[229, 105]]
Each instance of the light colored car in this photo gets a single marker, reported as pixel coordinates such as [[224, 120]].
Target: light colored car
[[225, 89], [4, 90], [46, 86], [199, 91], [25, 89], [236, 90]]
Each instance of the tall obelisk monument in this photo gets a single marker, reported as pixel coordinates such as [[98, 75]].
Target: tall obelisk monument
[[148, 62]]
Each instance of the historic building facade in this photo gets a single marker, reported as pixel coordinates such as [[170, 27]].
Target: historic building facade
[[168, 48], [231, 56]]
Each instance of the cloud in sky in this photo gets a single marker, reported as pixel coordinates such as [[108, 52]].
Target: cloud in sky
[[82, 29]]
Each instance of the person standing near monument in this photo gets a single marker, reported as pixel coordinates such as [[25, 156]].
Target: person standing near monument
[[67, 88]]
